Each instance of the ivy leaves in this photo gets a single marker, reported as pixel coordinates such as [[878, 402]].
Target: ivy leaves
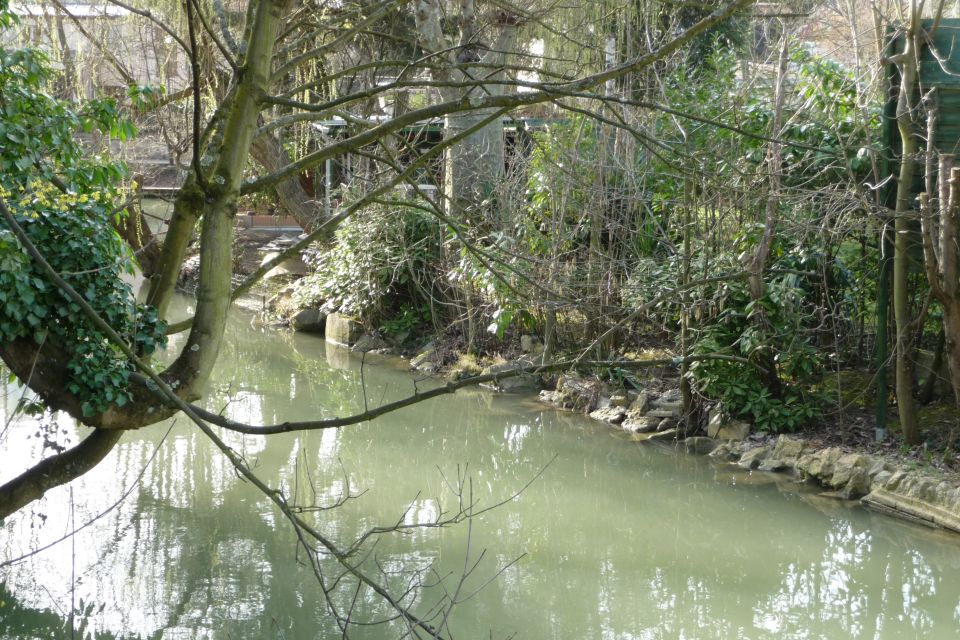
[[66, 202]]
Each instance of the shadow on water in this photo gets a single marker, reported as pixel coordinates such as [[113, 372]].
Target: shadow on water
[[619, 540]]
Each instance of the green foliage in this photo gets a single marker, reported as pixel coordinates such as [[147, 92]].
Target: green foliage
[[830, 120], [780, 328], [726, 37], [381, 257], [72, 226], [505, 290], [823, 114], [566, 193], [507, 315], [561, 171], [798, 311], [406, 320], [711, 91], [740, 385]]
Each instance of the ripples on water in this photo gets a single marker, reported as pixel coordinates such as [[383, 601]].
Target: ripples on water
[[621, 540]]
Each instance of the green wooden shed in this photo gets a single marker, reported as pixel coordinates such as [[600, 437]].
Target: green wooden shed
[[939, 72]]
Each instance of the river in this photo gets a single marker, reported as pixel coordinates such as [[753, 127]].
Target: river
[[612, 539]]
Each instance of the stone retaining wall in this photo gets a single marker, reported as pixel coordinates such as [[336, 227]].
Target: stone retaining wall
[[875, 481]]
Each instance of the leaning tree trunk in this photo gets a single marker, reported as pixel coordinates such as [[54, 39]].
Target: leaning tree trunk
[[222, 189], [212, 198], [219, 191], [271, 155]]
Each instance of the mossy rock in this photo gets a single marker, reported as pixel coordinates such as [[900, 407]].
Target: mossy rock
[[466, 366]]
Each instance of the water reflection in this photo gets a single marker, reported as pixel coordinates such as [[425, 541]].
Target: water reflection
[[620, 540]]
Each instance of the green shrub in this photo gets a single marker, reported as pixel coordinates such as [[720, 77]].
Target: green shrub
[[779, 330], [381, 263]]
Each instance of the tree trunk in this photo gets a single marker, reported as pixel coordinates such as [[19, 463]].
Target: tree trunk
[[951, 332], [765, 357], [215, 197], [474, 167], [56, 470], [902, 234], [195, 362], [881, 348], [938, 226], [187, 209], [137, 234], [270, 154], [67, 89]]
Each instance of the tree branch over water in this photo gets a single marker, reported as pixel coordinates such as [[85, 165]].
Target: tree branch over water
[[89, 453], [449, 388], [57, 470]]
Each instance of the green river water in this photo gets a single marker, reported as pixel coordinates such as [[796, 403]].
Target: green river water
[[615, 539]]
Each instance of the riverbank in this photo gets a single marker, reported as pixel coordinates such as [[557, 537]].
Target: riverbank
[[882, 478], [840, 454]]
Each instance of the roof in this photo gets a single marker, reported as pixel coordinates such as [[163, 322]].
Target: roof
[[77, 10]]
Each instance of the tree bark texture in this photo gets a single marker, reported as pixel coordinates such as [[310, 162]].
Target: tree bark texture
[[270, 154], [940, 252], [473, 168], [902, 234]]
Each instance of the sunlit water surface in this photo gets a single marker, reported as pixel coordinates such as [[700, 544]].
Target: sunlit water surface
[[614, 539]]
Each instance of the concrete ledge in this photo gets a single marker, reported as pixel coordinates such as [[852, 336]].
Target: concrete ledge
[[342, 330]]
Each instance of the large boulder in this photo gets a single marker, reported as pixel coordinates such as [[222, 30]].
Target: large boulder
[[775, 465], [699, 445], [789, 449], [643, 424], [753, 458], [725, 452], [524, 382], [370, 342], [733, 430], [309, 321], [620, 400], [668, 435], [715, 420], [640, 404], [611, 414], [668, 405], [427, 361], [558, 399], [849, 466], [820, 465], [721, 427], [581, 394], [858, 485]]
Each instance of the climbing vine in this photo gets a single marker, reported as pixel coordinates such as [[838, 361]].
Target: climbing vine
[[67, 200]]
